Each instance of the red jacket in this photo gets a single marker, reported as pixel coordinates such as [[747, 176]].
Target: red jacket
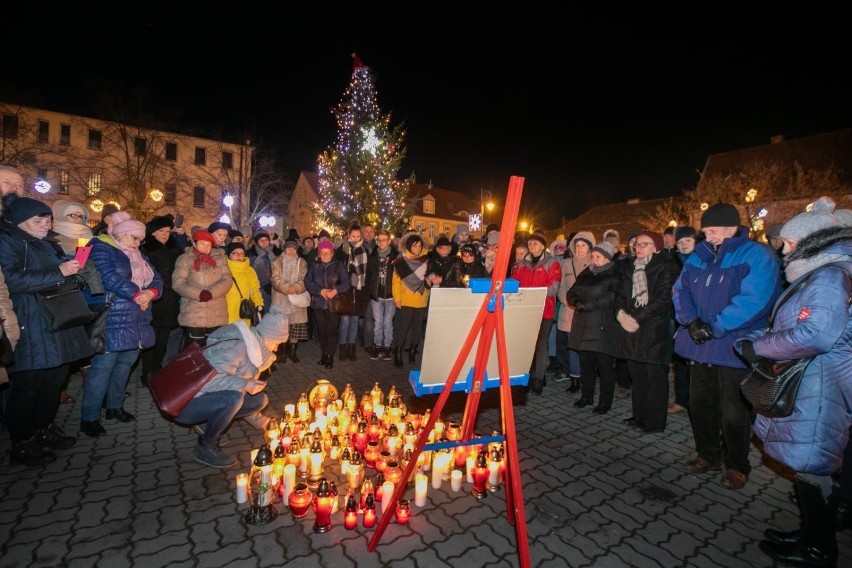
[[546, 273]]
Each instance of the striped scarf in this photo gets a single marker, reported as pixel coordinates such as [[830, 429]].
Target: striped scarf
[[640, 282]]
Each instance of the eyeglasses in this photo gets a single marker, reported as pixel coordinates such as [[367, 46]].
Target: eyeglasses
[[643, 245], [74, 215]]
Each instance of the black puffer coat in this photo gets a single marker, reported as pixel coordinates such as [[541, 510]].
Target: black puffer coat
[[31, 264], [592, 296], [165, 308], [653, 342]]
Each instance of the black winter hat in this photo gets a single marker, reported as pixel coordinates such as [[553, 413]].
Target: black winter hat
[[160, 222], [442, 242], [235, 246], [234, 233], [216, 225], [721, 215], [25, 208], [683, 232]]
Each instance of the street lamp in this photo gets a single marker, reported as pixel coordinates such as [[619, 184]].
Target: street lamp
[[485, 204]]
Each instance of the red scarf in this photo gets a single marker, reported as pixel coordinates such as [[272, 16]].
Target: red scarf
[[201, 258]]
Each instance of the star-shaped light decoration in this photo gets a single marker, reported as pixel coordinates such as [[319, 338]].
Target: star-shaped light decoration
[[474, 222]]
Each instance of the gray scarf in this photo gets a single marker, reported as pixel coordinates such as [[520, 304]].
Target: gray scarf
[[795, 269]]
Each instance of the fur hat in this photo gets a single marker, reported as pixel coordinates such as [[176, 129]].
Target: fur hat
[[658, 238], [612, 236], [202, 235], [821, 216], [720, 215], [274, 325], [844, 217], [538, 236], [235, 246], [160, 222], [25, 208], [325, 245], [605, 248], [683, 232], [216, 225]]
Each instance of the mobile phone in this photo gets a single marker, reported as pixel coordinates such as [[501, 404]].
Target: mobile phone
[[83, 255], [178, 220]]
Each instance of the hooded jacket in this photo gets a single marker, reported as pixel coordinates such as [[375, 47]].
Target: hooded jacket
[[545, 273], [815, 320], [571, 268]]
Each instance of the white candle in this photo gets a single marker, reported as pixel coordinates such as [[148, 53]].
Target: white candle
[[456, 480], [242, 488], [471, 462], [440, 460], [387, 494], [420, 488], [289, 480], [291, 408]]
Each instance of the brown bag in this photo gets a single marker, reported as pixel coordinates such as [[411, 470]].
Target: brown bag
[[179, 381], [342, 304]]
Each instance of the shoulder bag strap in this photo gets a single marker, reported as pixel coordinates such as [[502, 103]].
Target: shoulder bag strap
[[237, 285]]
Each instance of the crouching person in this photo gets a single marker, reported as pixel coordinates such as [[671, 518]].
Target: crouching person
[[239, 354]]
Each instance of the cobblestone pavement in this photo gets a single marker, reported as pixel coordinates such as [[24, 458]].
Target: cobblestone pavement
[[596, 493]]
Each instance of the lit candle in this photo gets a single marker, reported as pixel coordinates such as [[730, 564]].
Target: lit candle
[[471, 461], [370, 512], [420, 487], [242, 488], [290, 409], [456, 480], [387, 491], [253, 455], [350, 517], [289, 480], [403, 512], [81, 242]]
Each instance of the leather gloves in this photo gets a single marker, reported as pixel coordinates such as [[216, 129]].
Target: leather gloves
[[628, 322], [699, 330], [205, 296]]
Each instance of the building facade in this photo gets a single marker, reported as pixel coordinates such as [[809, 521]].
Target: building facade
[[145, 171]]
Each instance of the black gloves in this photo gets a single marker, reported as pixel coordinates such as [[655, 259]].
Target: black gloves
[[746, 351], [700, 331]]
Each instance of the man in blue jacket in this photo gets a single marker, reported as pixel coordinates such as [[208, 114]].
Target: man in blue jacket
[[725, 291]]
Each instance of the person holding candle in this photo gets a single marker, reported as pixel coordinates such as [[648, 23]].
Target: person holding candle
[[239, 354]]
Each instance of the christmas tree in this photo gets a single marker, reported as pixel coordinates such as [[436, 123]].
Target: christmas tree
[[358, 175]]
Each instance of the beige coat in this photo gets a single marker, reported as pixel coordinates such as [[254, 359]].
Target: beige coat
[[189, 284], [287, 271], [10, 323], [571, 268]]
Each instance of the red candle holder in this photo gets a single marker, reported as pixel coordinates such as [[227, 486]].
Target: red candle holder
[[403, 512], [350, 515], [371, 453], [369, 520], [382, 462], [322, 505], [480, 476], [300, 500]]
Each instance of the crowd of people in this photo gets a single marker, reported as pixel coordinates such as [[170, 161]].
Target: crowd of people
[[687, 306]]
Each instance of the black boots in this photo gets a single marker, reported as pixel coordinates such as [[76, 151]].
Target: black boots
[[574, 384], [536, 385], [412, 353], [322, 358], [293, 348], [397, 357], [816, 544], [54, 438], [283, 353], [31, 453]]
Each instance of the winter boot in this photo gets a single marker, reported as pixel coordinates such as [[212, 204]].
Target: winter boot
[[283, 353], [574, 384], [293, 348], [387, 354], [397, 357], [352, 355], [329, 361], [322, 359], [211, 454], [31, 453], [536, 385], [54, 438], [412, 353], [817, 545], [344, 352]]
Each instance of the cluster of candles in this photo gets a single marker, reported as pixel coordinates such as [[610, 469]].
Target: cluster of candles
[[346, 436]]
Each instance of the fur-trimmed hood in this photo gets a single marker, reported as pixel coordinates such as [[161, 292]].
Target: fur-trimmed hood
[[837, 240]]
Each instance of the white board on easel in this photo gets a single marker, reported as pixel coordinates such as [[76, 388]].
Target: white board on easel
[[452, 312]]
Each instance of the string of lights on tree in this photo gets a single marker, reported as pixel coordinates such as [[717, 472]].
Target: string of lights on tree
[[358, 175]]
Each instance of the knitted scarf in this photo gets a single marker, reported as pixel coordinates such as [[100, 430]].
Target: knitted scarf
[[357, 264], [598, 269], [140, 272], [640, 282], [412, 272], [201, 259], [795, 269]]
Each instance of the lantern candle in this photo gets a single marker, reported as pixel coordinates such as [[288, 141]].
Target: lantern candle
[[420, 487], [471, 459], [494, 472], [456, 480], [289, 481], [387, 491], [322, 505], [370, 512], [242, 488], [290, 409], [350, 517], [480, 476], [403, 512]]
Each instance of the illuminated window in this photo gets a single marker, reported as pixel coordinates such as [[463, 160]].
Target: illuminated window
[[171, 151], [95, 183], [65, 134], [95, 139], [43, 131], [141, 146], [198, 196], [170, 197], [200, 157], [64, 182], [10, 126], [227, 160], [429, 206]]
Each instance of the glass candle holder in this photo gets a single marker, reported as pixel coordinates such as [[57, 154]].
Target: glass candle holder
[[300, 500], [403, 512]]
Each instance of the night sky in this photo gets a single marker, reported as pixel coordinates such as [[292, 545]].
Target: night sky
[[588, 110]]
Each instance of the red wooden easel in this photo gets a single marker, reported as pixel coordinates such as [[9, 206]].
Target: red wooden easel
[[488, 325]]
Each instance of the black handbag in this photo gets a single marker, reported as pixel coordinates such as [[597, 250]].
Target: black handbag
[[342, 304], [247, 308], [64, 306], [772, 386], [96, 329]]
